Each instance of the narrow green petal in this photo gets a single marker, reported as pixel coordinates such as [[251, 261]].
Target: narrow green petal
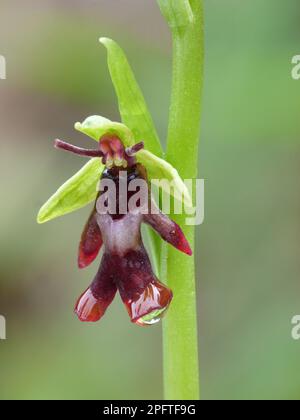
[[159, 169], [96, 127], [132, 105], [78, 191]]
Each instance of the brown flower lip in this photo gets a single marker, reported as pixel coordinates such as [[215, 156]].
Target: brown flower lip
[[125, 265]]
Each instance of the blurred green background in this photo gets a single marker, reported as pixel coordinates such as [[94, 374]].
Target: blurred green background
[[248, 262]]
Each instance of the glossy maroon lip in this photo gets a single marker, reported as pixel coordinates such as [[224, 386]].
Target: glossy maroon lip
[[139, 289]]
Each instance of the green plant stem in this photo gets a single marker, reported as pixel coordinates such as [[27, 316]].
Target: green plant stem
[[181, 370]]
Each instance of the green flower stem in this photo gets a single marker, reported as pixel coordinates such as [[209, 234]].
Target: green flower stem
[[181, 371]]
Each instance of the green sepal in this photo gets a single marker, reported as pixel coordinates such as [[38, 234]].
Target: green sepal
[[132, 105], [160, 169], [96, 127], [74, 194]]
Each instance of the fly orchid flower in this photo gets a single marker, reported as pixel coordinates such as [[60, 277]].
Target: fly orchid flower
[[125, 265]]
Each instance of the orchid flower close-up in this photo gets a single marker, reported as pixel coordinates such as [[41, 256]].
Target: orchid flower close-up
[[125, 265], [153, 265], [168, 132]]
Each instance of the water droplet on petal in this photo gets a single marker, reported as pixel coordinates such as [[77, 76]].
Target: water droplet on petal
[[152, 318]]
